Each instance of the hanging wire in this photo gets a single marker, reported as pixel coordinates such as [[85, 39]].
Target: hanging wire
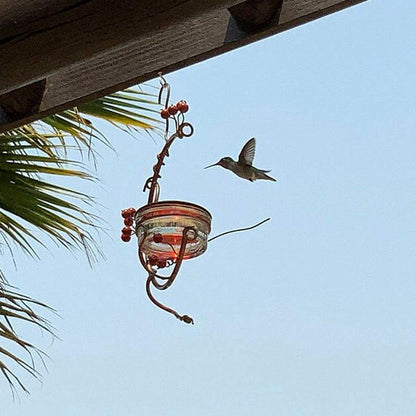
[[238, 230]]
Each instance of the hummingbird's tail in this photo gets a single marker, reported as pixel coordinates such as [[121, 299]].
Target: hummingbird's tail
[[262, 175]]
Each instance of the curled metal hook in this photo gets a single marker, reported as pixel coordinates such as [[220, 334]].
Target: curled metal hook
[[164, 86]]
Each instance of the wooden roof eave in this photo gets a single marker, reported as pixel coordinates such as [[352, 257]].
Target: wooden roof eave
[[57, 54]]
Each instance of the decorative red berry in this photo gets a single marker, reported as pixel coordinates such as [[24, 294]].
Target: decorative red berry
[[128, 212], [125, 237], [131, 211], [182, 106], [153, 259], [128, 221], [157, 238], [172, 109], [125, 213], [126, 230], [164, 113], [161, 263]]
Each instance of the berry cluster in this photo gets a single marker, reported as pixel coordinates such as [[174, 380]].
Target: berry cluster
[[182, 106], [126, 231]]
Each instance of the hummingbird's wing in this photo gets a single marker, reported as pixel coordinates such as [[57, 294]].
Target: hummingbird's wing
[[247, 153]]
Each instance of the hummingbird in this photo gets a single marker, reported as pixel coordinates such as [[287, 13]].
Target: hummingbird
[[244, 166]]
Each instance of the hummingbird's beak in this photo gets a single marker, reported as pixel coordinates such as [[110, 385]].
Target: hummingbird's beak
[[210, 166]]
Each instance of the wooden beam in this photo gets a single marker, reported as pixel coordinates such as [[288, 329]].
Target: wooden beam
[[89, 48]]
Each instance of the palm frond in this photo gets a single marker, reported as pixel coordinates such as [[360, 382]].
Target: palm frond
[[16, 308], [34, 161], [127, 109], [40, 150], [39, 203]]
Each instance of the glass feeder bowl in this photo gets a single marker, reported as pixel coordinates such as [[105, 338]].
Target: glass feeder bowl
[[159, 228]]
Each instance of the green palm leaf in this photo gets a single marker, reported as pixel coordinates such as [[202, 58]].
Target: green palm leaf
[[18, 308], [37, 202], [34, 162]]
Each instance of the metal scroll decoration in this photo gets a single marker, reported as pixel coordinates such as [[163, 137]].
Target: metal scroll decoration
[[168, 232]]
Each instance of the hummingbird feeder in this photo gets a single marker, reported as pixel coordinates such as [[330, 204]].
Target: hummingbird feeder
[[168, 232]]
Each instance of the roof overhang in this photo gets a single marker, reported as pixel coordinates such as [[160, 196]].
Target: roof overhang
[[55, 54]]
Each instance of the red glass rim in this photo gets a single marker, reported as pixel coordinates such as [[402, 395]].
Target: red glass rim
[[164, 208]]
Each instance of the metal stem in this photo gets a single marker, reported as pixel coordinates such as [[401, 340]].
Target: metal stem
[[156, 169]]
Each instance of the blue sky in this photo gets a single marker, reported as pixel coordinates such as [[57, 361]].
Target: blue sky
[[311, 314]]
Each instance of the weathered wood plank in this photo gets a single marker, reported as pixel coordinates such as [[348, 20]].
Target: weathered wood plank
[[169, 35], [24, 16], [93, 28]]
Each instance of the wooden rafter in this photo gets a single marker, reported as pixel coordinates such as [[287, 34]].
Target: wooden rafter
[[57, 54]]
